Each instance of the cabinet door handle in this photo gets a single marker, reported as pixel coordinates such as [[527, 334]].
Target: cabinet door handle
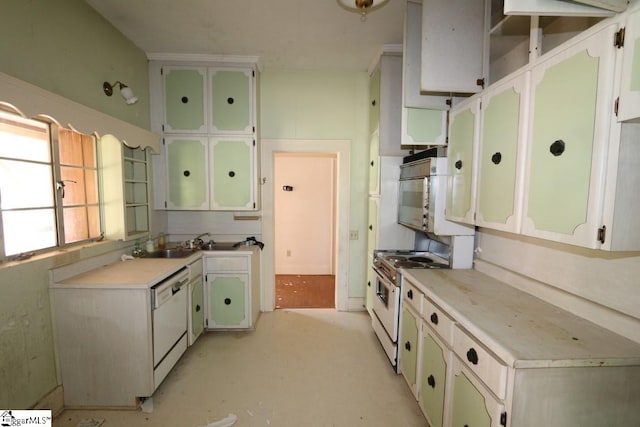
[[431, 381], [230, 100], [434, 318], [184, 99], [186, 173], [472, 356], [197, 307], [407, 345], [557, 148], [458, 164], [227, 301], [232, 174], [371, 163], [496, 158], [373, 103], [410, 294]]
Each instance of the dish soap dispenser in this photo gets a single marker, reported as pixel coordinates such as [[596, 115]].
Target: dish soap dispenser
[[137, 250], [149, 246]]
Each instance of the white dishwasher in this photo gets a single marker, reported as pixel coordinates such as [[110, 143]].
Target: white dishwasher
[[169, 314]]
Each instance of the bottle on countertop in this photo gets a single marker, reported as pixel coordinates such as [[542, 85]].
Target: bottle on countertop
[[162, 243], [137, 250], [149, 246]]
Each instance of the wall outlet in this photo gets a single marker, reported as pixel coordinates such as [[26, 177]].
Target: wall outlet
[[353, 235]]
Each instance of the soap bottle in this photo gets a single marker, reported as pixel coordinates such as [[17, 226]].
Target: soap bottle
[[162, 243], [137, 250], [149, 246]]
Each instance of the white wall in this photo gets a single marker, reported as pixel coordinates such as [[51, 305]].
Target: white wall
[[304, 217], [601, 286]]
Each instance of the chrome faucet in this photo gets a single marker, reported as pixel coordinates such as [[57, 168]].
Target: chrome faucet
[[197, 241]]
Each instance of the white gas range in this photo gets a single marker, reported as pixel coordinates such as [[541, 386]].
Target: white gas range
[[387, 301]]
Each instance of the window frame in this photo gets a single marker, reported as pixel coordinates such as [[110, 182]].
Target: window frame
[[53, 133]]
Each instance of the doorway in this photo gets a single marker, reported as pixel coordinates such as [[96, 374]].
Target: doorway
[[304, 216], [340, 150]]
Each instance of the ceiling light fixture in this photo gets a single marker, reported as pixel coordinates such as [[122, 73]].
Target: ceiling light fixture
[[125, 91], [362, 6]]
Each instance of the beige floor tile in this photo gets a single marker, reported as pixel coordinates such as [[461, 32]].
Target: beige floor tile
[[308, 367]]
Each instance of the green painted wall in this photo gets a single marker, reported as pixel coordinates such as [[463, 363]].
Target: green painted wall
[[65, 47], [328, 105]]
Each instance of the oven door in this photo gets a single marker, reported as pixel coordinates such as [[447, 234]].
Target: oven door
[[412, 199], [386, 305]]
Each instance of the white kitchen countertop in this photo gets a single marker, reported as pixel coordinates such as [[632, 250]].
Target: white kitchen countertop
[[522, 330], [135, 273]]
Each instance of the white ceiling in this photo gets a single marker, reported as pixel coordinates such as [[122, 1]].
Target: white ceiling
[[284, 34]]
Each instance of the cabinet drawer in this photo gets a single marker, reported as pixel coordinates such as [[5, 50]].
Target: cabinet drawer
[[218, 264], [412, 296], [438, 321], [481, 361]]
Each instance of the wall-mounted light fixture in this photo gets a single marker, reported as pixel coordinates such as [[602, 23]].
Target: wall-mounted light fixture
[[362, 6], [125, 91]]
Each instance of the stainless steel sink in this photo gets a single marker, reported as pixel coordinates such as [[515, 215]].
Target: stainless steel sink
[[170, 253], [223, 246]]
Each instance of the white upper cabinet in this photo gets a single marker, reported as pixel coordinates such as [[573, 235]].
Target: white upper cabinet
[[571, 112], [629, 102], [564, 8], [453, 46], [423, 116], [461, 161], [501, 154]]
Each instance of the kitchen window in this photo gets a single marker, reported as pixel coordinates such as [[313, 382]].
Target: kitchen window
[[48, 186]]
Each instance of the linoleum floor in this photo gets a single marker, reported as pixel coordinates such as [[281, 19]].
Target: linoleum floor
[[302, 368]]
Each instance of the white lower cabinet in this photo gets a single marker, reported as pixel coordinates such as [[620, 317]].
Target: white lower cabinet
[[478, 352], [196, 302], [232, 289]]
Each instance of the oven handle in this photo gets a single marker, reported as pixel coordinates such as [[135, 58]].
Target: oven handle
[[385, 282]]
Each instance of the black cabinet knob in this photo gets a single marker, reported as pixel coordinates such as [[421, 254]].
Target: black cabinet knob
[[371, 163], [373, 103], [458, 164], [184, 99], [197, 307], [371, 227], [186, 173], [496, 158], [434, 318], [410, 294], [230, 101], [407, 346], [472, 356], [227, 301], [557, 148], [232, 174], [431, 381]]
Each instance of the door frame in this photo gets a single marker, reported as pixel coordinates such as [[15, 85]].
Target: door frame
[[342, 150]]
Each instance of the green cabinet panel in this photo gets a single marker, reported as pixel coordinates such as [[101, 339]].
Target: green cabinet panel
[[184, 99], [374, 101], [460, 163], [230, 102], [197, 307], [408, 342], [424, 126], [498, 157], [433, 380], [468, 404], [629, 104], [372, 244], [227, 299], [562, 143], [232, 173], [187, 173], [374, 165]]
